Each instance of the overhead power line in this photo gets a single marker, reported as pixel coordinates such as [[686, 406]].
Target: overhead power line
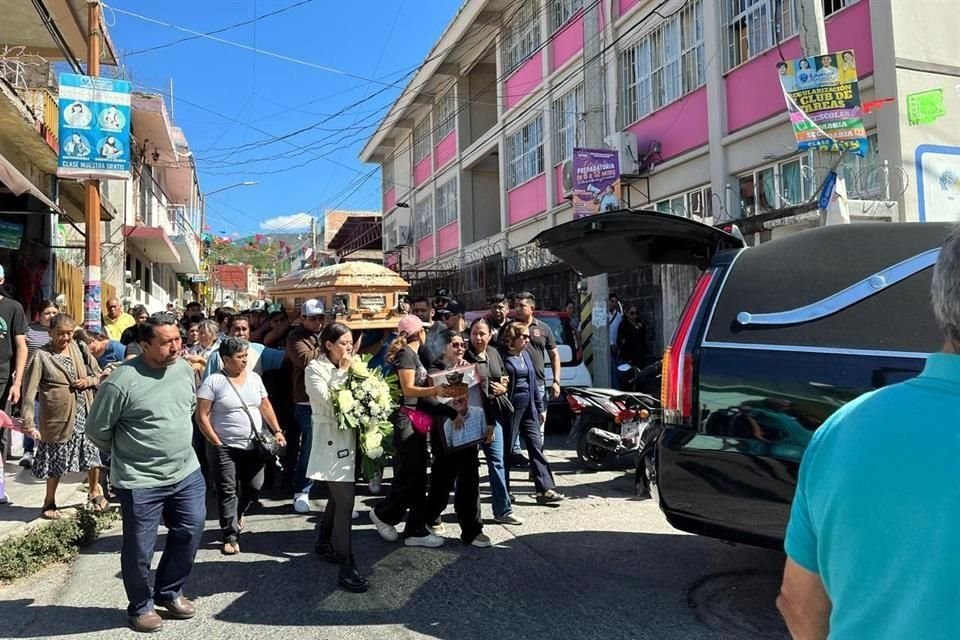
[[215, 31]]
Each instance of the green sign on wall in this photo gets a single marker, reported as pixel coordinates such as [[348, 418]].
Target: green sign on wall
[[925, 107]]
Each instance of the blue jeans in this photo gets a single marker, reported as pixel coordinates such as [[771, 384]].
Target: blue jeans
[[182, 508], [493, 452], [517, 449], [304, 417]]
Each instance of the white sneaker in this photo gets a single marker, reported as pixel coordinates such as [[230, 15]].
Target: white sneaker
[[482, 541], [387, 531], [26, 461], [355, 514], [428, 540], [509, 518], [375, 484], [301, 503]]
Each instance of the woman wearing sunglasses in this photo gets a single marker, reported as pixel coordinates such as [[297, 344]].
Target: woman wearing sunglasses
[[457, 469], [529, 411]]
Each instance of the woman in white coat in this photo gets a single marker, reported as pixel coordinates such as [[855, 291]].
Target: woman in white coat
[[333, 454]]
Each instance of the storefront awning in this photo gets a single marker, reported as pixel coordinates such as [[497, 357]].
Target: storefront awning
[[153, 242], [19, 195]]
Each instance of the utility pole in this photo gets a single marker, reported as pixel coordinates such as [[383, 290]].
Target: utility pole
[[91, 286], [313, 239], [594, 114]]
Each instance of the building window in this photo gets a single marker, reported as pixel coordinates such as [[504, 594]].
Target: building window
[[561, 11], [525, 153], [696, 204], [753, 26], [386, 170], [521, 37], [424, 217], [447, 203], [445, 115], [832, 6], [568, 124], [777, 186], [664, 65], [421, 140]]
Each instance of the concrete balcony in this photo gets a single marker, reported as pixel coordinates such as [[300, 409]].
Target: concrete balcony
[[186, 241]]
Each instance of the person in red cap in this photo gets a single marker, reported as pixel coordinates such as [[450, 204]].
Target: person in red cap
[[408, 493]]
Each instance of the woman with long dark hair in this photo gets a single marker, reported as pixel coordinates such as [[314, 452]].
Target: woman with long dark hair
[[493, 386], [333, 453], [456, 468], [408, 493], [528, 414]]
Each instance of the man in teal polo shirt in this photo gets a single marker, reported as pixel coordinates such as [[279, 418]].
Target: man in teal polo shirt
[[873, 538]]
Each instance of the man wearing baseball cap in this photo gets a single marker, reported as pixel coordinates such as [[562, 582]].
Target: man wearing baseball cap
[[302, 347]]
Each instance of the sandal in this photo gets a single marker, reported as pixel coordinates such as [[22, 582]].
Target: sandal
[[231, 548], [242, 524], [50, 512], [99, 504]]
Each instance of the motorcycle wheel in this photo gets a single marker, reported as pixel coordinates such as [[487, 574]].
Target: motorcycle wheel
[[591, 456]]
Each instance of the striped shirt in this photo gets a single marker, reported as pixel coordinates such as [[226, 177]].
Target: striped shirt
[[37, 336]]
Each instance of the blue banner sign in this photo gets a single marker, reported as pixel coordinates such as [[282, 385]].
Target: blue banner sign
[[94, 128]]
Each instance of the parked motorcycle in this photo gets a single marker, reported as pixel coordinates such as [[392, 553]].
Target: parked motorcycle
[[607, 424]]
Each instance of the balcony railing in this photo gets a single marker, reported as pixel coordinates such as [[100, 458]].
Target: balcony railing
[[47, 113]]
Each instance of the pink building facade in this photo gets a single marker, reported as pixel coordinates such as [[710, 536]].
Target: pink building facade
[[475, 148]]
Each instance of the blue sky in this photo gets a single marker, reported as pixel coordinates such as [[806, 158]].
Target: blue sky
[[230, 101]]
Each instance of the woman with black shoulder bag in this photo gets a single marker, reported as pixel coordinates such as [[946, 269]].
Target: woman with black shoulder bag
[[232, 407]]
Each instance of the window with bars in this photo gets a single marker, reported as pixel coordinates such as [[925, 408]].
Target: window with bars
[[776, 186], [521, 37], [662, 66], [568, 124], [753, 26], [424, 217], [386, 170], [561, 11], [525, 153], [447, 203], [445, 115], [421, 140]]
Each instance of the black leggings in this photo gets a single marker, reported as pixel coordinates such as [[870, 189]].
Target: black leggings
[[338, 517]]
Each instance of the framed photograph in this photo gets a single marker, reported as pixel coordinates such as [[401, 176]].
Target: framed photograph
[[473, 431]]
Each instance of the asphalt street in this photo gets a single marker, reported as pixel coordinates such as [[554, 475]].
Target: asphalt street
[[601, 565]]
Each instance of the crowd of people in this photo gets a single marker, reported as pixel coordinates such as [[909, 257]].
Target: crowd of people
[[159, 409]]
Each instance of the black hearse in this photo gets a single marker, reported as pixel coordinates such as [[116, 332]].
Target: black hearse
[[773, 340]]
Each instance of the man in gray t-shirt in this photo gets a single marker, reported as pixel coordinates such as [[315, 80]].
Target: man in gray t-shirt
[[142, 416]]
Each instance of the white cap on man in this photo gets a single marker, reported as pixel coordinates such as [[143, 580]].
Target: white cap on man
[[312, 308]]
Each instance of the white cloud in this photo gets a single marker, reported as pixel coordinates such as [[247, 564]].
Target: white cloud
[[287, 224]]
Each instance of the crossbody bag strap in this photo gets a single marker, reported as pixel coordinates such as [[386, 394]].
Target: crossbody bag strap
[[253, 425]]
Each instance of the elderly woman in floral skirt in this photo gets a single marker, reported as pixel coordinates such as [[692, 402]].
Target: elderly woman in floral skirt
[[62, 377]]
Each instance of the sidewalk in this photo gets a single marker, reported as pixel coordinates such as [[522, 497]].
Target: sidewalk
[[26, 493]]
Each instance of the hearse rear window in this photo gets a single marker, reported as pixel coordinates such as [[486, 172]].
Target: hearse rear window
[[809, 267]]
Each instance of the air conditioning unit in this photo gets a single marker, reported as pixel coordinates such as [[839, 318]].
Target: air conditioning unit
[[626, 146], [567, 171]]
